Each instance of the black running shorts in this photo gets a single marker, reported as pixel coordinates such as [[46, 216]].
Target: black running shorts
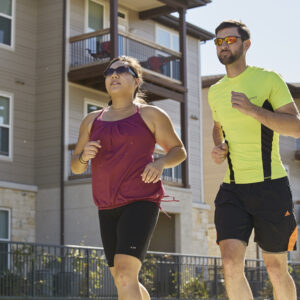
[[128, 229], [265, 206]]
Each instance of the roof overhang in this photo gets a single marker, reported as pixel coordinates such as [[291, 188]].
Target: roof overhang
[[192, 30], [170, 7]]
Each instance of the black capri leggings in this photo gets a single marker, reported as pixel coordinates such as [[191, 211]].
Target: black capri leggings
[[128, 229]]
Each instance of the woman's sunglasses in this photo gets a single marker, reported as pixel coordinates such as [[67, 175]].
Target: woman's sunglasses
[[228, 40], [120, 70]]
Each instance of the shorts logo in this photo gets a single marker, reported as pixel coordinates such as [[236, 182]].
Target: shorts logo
[[132, 247], [287, 213]]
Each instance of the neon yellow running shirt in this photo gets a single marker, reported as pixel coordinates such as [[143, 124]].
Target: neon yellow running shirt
[[253, 148]]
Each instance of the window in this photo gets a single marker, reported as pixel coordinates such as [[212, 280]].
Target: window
[[95, 16], [174, 174], [4, 237], [90, 105], [5, 125], [4, 224], [6, 22], [169, 40], [95, 21]]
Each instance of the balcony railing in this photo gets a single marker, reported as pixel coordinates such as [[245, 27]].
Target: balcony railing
[[171, 176], [94, 47]]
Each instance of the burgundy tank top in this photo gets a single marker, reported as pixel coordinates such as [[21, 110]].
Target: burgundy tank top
[[127, 146]]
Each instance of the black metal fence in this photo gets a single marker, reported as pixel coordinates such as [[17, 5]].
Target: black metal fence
[[35, 271]]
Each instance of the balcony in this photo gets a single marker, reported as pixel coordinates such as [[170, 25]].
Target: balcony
[[90, 54], [171, 176]]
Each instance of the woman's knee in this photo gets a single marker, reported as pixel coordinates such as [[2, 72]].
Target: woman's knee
[[124, 277]]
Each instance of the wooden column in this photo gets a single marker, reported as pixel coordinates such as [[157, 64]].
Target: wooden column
[[114, 28], [184, 105]]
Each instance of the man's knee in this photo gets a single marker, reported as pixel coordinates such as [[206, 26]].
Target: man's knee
[[233, 267], [276, 269]]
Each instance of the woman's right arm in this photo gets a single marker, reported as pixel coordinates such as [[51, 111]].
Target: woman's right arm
[[85, 149]]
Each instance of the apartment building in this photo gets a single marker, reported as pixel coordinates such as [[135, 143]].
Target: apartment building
[[214, 174], [52, 57]]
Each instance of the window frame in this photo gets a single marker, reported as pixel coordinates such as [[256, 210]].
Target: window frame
[[10, 126], [8, 234], [9, 224], [89, 101], [12, 32], [171, 33], [86, 22]]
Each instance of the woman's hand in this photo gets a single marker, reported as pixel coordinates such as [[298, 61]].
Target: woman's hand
[[153, 171], [90, 150]]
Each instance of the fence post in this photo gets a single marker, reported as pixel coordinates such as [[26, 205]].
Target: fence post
[[88, 272], [178, 278], [216, 277]]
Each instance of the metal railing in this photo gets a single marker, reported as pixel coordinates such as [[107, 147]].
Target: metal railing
[[171, 176], [95, 47], [36, 271]]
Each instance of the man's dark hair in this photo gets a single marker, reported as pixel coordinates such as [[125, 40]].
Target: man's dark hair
[[242, 28]]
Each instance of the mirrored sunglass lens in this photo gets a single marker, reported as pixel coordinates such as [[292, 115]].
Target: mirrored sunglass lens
[[230, 40], [218, 42]]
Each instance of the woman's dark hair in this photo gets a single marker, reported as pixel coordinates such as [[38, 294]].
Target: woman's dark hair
[[134, 64], [242, 28]]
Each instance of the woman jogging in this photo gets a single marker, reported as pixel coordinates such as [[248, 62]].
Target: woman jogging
[[120, 140]]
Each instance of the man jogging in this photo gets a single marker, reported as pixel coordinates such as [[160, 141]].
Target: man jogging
[[251, 107]]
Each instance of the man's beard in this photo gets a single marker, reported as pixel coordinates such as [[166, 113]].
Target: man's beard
[[231, 58]]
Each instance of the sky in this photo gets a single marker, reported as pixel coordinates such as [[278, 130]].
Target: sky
[[275, 33]]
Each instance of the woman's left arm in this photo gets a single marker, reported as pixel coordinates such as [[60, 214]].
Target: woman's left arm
[[167, 138]]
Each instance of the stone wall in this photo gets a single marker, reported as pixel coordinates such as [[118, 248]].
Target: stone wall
[[22, 213]]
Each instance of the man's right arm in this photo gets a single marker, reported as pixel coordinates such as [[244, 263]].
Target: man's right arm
[[219, 152]]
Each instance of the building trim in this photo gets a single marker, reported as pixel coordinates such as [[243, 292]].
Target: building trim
[[202, 206], [202, 200], [18, 186]]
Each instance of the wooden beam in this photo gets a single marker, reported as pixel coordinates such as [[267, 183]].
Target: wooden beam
[[87, 72], [158, 80], [88, 35], [156, 12], [114, 47], [163, 92], [184, 105]]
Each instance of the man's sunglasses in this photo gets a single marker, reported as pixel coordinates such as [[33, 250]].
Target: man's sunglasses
[[228, 40], [120, 70]]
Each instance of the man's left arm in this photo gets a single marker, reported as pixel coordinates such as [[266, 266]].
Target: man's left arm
[[284, 120]]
